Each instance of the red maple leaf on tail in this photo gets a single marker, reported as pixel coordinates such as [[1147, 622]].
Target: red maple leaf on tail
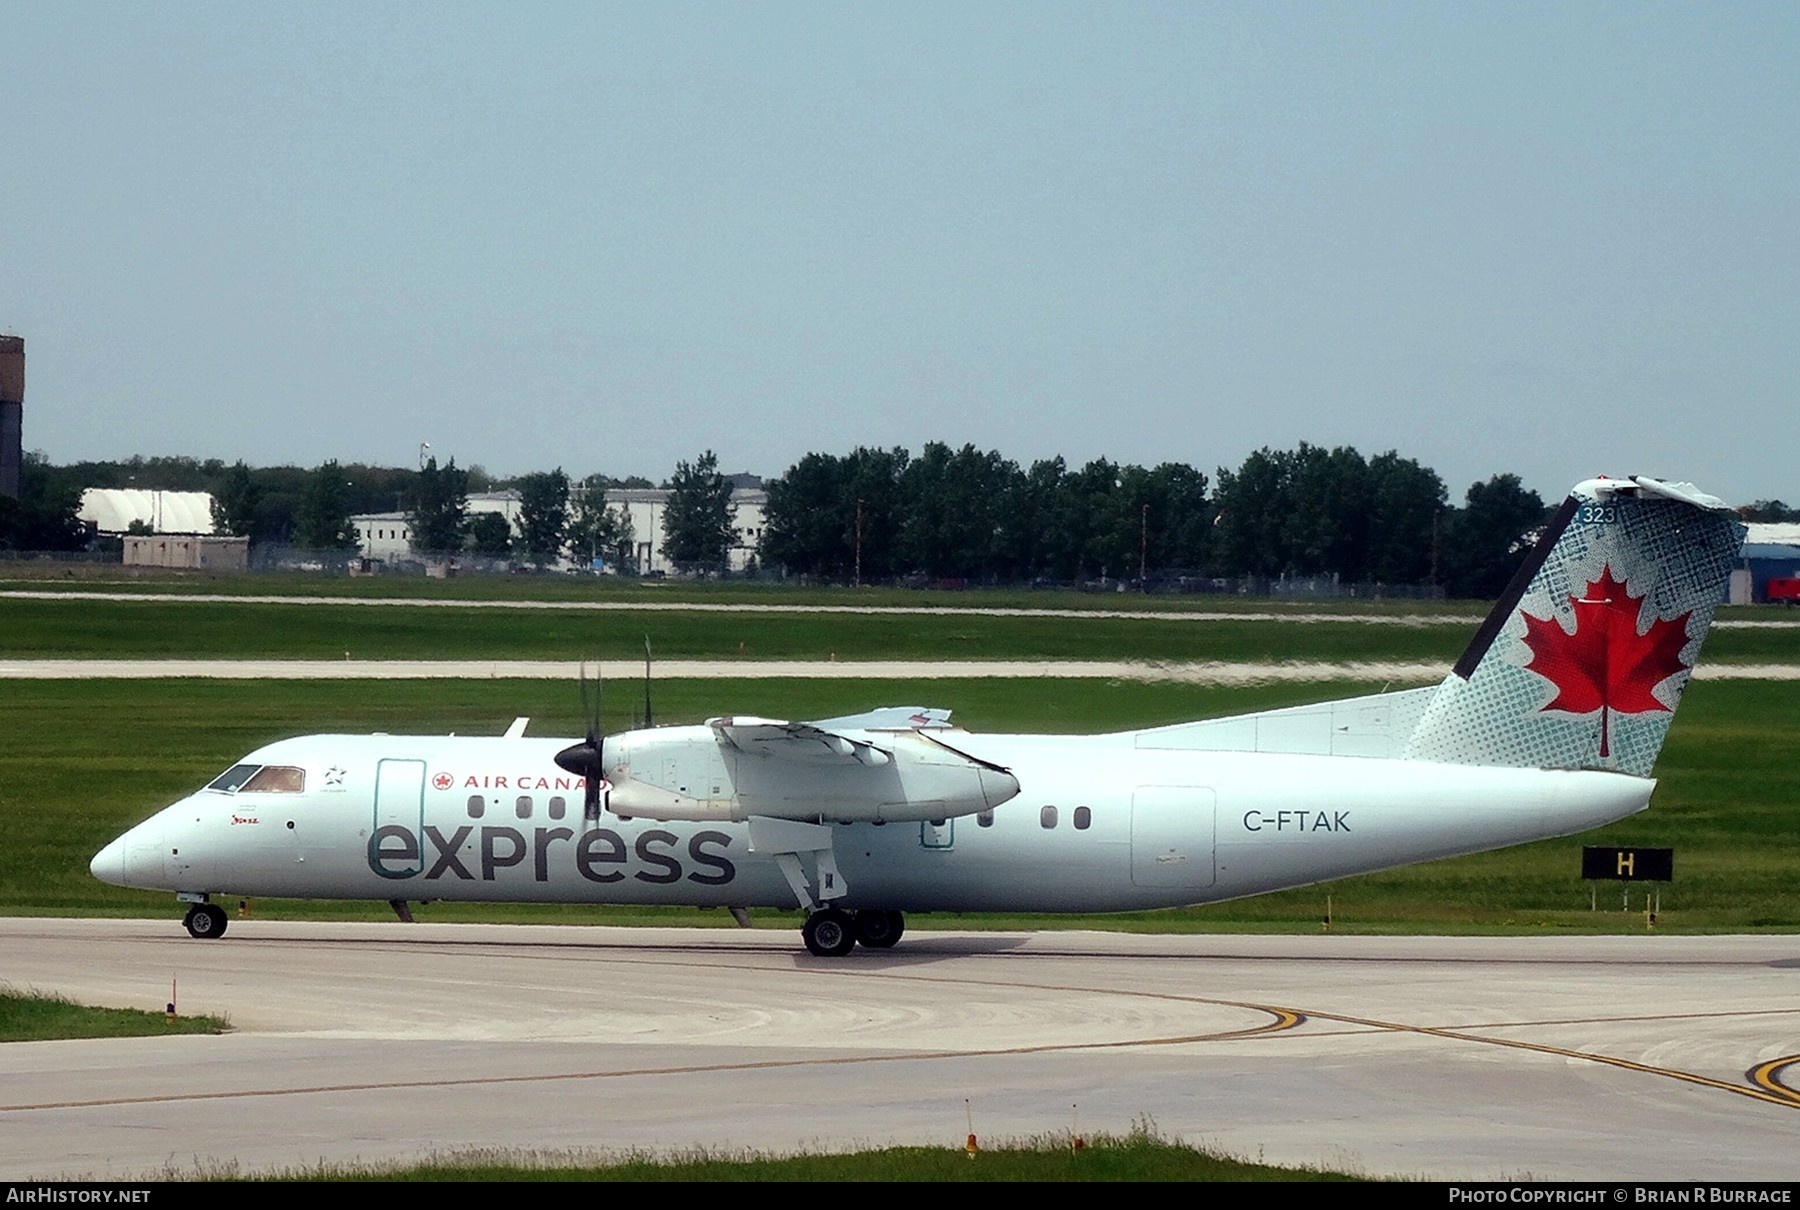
[[1606, 664]]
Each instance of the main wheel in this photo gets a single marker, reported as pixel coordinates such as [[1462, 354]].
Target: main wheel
[[206, 921], [829, 933], [879, 930]]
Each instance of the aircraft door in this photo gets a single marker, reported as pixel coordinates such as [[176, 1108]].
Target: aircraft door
[[1173, 836], [400, 800]]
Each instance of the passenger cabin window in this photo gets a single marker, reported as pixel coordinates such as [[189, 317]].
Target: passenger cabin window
[[1047, 817], [477, 806], [232, 778], [1083, 817], [558, 805], [523, 806], [984, 819]]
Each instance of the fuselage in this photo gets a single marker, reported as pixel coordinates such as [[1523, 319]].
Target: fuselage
[[1098, 825]]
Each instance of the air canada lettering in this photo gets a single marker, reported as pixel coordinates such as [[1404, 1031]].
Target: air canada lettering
[[527, 781], [601, 855]]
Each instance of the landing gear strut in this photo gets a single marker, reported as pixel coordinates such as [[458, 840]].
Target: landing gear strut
[[833, 932], [206, 921]]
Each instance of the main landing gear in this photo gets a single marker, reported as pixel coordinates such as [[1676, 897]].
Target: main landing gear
[[206, 921], [829, 932], [833, 932]]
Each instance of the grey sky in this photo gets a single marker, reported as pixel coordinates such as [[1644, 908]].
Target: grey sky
[[1551, 239]]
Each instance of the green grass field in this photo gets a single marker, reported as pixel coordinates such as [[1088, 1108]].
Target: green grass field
[[43, 629], [86, 759], [114, 578], [31, 1017]]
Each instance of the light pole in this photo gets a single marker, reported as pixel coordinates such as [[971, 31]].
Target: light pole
[[859, 516], [1144, 550]]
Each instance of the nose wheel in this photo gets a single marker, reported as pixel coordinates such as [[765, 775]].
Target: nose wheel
[[206, 921]]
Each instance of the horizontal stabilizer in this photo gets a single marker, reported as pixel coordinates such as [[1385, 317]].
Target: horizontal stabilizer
[[889, 718]]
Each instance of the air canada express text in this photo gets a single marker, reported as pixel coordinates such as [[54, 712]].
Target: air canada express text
[[600, 855]]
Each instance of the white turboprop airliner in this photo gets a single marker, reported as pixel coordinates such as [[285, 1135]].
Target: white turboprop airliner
[[1548, 725]]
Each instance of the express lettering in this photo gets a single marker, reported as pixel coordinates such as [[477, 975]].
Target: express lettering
[[1297, 821], [601, 855]]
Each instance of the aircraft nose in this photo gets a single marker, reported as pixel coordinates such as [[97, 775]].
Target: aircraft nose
[[108, 864], [134, 859]]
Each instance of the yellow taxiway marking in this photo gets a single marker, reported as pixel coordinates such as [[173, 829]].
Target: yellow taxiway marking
[[1768, 1076]]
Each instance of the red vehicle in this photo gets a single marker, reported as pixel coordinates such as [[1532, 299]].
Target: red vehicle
[[1784, 590]]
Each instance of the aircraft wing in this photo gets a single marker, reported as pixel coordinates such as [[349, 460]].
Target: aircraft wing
[[808, 743]]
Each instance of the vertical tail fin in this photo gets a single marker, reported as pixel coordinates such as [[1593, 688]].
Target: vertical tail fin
[[1584, 658]]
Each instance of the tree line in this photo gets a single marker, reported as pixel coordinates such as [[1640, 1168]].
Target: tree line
[[973, 515], [886, 515]]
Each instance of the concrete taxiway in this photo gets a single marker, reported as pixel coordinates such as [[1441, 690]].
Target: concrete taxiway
[[1619, 1058]]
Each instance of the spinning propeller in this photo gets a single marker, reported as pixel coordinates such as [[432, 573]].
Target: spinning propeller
[[587, 759]]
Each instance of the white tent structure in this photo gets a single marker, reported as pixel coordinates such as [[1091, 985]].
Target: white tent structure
[[111, 510]]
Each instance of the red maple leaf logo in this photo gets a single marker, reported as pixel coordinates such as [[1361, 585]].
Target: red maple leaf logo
[[1605, 664]]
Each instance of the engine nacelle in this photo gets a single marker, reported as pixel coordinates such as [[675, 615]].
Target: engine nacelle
[[728, 772]]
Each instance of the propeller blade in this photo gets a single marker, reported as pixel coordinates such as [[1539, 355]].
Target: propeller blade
[[647, 717], [587, 759], [590, 807]]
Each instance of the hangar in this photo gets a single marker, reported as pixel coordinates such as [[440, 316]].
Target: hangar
[[1768, 565]]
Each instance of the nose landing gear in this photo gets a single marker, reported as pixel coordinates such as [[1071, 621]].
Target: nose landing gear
[[206, 921]]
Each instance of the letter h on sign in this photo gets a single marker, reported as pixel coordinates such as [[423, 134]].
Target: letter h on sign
[[1602, 864]]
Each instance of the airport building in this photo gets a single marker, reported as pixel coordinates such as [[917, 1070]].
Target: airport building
[[388, 536], [12, 414], [1768, 568], [174, 529], [646, 506], [209, 552]]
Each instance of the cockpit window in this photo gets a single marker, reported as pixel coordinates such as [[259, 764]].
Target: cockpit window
[[276, 779], [232, 778]]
